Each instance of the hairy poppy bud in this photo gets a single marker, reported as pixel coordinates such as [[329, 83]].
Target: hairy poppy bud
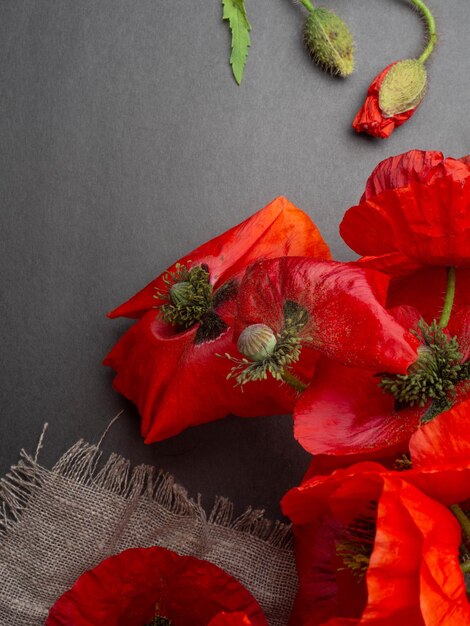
[[403, 87], [328, 39], [257, 342], [391, 102]]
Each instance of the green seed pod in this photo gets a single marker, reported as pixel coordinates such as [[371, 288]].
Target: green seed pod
[[328, 39], [181, 293], [257, 342], [403, 87]]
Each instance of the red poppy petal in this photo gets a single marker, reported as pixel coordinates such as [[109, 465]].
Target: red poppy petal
[[459, 326], [393, 574], [429, 223], [278, 229], [400, 170], [318, 588], [413, 568], [415, 556], [176, 383], [345, 412], [370, 118], [366, 229], [425, 291], [129, 588], [393, 264], [347, 321], [231, 619], [444, 439]]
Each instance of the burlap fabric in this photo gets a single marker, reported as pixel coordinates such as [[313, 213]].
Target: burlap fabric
[[58, 523]]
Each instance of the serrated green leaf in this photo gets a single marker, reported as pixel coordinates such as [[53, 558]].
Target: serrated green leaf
[[234, 11]]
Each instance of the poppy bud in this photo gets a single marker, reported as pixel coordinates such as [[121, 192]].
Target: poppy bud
[[392, 98], [257, 342], [403, 87], [328, 39], [181, 293]]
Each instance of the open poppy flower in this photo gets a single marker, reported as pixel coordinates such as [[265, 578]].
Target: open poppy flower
[[354, 411], [156, 587], [413, 222], [415, 213], [332, 308], [371, 119], [374, 549], [167, 363]]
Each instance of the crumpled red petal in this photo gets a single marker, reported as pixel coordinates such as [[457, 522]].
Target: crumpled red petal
[[278, 229], [425, 221], [176, 383], [347, 321], [399, 171], [137, 584], [370, 118], [444, 439], [344, 412]]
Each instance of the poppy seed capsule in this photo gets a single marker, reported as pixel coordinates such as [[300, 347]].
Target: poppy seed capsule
[[403, 87], [181, 293], [329, 41], [257, 342]]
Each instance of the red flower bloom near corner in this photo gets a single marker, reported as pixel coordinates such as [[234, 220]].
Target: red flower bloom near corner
[[370, 118], [415, 212], [413, 221], [376, 548], [167, 363], [140, 584]]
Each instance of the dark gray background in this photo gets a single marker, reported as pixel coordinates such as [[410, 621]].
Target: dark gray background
[[125, 143]]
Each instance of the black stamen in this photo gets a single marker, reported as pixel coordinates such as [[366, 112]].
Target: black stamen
[[211, 326]]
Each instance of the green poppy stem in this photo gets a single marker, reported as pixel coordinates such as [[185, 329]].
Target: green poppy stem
[[465, 567], [308, 5], [463, 519], [449, 298], [293, 381], [431, 28]]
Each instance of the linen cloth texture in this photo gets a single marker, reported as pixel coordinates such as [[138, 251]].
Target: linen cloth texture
[[58, 523]]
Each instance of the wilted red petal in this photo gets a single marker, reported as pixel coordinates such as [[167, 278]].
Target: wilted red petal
[[444, 439], [278, 229], [370, 118], [177, 379], [347, 321], [399, 171], [345, 412], [176, 383], [135, 585], [427, 221]]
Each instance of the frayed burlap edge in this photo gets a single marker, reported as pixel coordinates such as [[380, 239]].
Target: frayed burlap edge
[[80, 463]]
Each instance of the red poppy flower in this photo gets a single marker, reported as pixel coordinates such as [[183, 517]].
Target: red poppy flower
[[336, 307], [373, 549], [167, 363], [140, 584], [415, 213], [370, 118], [353, 411]]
